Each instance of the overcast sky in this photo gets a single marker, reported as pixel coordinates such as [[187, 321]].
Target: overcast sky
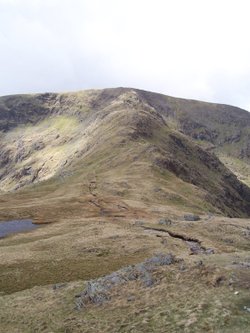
[[187, 48]]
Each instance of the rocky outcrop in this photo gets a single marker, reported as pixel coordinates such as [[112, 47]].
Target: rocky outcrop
[[99, 291]]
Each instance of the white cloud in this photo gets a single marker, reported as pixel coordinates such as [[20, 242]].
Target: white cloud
[[194, 49]]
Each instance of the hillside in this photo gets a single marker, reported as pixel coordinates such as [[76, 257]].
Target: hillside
[[222, 129], [142, 209], [58, 145]]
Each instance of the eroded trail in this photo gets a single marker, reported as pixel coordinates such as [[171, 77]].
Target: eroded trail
[[194, 244]]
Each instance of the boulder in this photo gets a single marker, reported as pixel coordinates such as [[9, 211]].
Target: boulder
[[191, 217]]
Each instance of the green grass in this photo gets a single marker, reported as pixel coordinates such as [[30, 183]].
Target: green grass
[[16, 277], [238, 166]]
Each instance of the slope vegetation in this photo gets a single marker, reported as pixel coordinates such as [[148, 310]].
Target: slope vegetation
[[114, 178], [101, 147]]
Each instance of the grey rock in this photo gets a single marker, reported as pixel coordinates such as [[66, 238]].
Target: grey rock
[[165, 221], [147, 279], [209, 251], [59, 286], [139, 223], [246, 308], [191, 217], [161, 260], [98, 291]]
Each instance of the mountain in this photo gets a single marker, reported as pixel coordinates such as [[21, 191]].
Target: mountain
[[142, 209], [114, 147]]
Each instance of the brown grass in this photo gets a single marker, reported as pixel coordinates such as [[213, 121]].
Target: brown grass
[[89, 210]]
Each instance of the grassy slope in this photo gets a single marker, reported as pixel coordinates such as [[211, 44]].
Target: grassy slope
[[188, 296], [113, 178]]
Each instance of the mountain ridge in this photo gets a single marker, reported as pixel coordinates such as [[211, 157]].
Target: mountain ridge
[[46, 137]]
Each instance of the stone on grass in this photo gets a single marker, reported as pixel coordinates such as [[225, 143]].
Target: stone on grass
[[191, 217], [165, 221], [139, 223], [209, 251], [59, 286]]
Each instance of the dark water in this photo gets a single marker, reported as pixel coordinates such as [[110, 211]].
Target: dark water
[[12, 227]]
